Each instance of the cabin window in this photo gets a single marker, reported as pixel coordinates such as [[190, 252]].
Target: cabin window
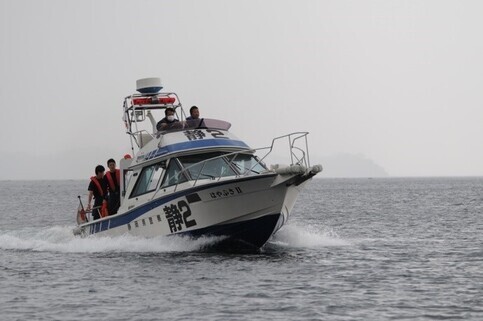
[[247, 164], [211, 168], [148, 180], [173, 175], [127, 175]]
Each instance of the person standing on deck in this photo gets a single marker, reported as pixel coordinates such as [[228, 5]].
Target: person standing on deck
[[98, 189], [112, 179]]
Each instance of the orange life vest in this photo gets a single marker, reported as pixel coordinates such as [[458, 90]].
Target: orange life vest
[[111, 181], [103, 211], [98, 185]]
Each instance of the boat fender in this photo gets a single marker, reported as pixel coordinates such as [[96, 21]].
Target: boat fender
[[316, 169], [290, 170], [81, 216]]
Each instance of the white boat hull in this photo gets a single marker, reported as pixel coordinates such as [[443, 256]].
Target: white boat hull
[[246, 211]]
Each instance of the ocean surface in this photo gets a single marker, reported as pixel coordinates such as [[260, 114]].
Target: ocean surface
[[354, 249]]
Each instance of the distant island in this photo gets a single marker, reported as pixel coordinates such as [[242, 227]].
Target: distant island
[[350, 165]]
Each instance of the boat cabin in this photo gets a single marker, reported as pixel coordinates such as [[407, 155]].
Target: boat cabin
[[188, 153]]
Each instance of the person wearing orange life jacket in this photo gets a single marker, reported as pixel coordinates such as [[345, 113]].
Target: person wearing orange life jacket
[[113, 180], [98, 189]]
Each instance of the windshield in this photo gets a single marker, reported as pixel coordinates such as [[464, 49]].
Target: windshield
[[212, 168], [247, 164]]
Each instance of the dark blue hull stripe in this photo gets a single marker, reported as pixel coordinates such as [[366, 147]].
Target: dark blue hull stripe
[[130, 216], [252, 233]]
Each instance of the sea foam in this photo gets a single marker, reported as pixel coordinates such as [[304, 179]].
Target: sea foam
[[61, 239], [302, 236]]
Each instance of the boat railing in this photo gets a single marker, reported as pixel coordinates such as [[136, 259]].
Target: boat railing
[[142, 137], [293, 138], [134, 114], [186, 171]]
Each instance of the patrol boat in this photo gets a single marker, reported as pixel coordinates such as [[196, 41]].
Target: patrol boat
[[197, 179]]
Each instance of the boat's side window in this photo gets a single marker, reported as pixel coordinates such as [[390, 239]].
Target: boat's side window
[[127, 175], [148, 180], [173, 175], [247, 164]]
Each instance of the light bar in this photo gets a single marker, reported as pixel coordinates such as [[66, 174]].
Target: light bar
[[153, 100]]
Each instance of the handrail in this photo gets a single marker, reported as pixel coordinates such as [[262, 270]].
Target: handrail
[[134, 134], [291, 147], [132, 123], [292, 138], [186, 169]]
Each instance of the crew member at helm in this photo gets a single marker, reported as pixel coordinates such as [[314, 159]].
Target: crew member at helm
[[194, 113], [168, 121]]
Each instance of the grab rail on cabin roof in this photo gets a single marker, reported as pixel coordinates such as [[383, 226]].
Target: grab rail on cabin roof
[[137, 137]]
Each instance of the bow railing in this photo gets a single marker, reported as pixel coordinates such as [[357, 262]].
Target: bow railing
[[298, 149]]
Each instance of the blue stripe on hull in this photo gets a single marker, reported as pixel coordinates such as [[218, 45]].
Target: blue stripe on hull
[[133, 214], [241, 235]]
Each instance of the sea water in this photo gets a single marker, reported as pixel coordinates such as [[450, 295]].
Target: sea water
[[354, 249]]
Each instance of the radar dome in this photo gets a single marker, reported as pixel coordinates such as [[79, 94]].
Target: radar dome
[[149, 85]]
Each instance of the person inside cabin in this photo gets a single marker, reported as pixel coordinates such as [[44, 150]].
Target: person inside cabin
[[194, 113], [112, 179], [97, 189], [167, 122]]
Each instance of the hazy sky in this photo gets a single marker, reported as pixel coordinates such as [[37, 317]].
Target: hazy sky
[[399, 82]]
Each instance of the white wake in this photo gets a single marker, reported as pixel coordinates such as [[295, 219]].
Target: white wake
[[61, 239], [301, 236]]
